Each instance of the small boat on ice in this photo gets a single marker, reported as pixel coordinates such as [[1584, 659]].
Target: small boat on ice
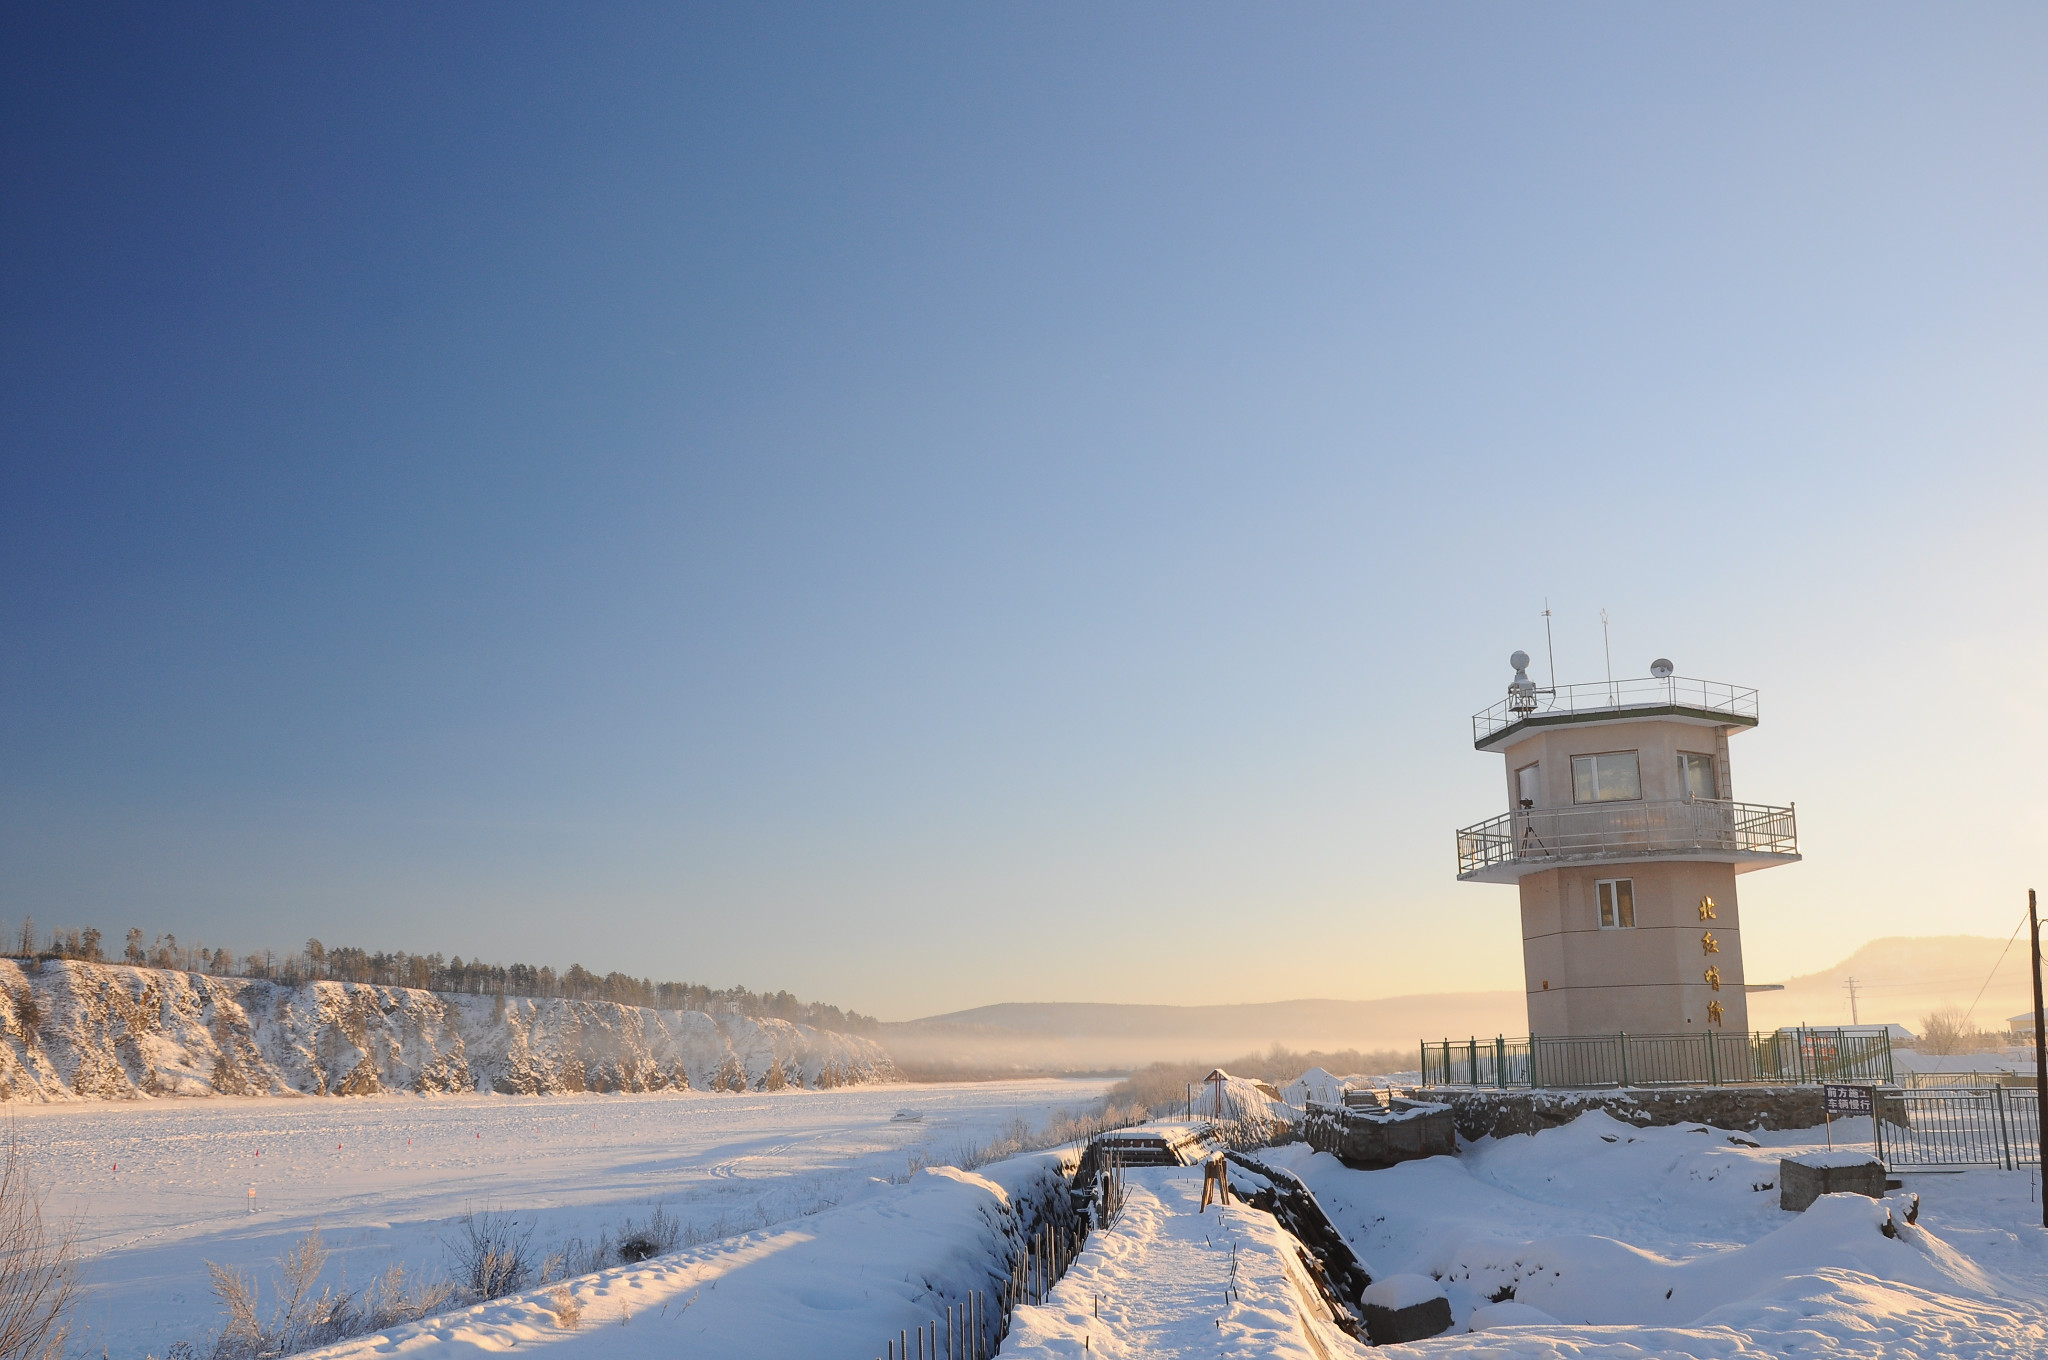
[[907, 1117]]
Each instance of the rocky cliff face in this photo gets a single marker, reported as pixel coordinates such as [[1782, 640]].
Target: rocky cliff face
[[71, 1031]]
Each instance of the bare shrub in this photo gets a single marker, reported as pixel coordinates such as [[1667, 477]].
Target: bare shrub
[[658, 1235], [1062, 1128], [1949, 1031], [397, 1298], [304, 1319], [1163, 1087], [563, 1305], [38, 1268], [662, 1232], [493, 1255]]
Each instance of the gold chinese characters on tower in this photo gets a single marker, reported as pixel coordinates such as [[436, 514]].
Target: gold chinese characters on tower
[[1714, 977], [1706, 909], [1708, 944]]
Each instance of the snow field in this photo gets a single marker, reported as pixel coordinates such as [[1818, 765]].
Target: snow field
[[1170, 1281], [840, 1283], [383, 1177], [1670, 1242]]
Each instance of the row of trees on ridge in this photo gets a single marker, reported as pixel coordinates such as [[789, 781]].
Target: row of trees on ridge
[[429, 973]]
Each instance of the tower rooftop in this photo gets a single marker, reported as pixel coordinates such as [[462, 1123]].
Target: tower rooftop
[[1712, 702]]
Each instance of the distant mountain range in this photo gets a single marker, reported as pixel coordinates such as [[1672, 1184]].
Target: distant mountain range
[[1899, 980], [1904, 978], [1086, 1036]]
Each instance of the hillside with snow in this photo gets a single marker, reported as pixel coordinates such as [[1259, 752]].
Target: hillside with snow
[[71, 1030]]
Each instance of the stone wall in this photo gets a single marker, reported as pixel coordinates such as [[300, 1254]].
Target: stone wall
[[1496, 1114]]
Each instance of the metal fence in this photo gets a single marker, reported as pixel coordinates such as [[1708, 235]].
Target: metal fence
[[1645, 692], [1712, 1058], [1627, 830], [1957, 1126], [1914, 1081]]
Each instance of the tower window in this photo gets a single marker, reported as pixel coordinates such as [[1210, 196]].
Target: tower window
[[1606, 778], [1617, 901], [1696, 775], [1525, 786]]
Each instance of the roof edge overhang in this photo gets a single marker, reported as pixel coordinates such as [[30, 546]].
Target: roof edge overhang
[[1537, 722]]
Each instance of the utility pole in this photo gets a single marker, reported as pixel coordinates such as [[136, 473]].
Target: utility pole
[[1854, 1018], [2040, 1050]]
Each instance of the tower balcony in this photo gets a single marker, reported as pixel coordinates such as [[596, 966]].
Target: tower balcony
[[1651, 696], [1746, 835]]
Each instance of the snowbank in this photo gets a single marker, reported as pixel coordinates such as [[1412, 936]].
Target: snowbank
[[1401, 1291], [1241, 1098], [1324, 1088], [1669, 1242], [72, 1030], [834, 1284]]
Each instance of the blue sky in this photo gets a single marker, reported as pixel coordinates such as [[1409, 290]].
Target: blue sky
[[931, 506]]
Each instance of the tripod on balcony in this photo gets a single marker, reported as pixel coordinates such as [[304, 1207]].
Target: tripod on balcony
[[1529, 836]]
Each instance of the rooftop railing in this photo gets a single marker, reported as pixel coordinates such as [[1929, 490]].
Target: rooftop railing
[[1631, 830], [1649, 692]]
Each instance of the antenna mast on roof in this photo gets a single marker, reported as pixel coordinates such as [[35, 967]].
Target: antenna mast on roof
[[1549, 646], [1608, 647]]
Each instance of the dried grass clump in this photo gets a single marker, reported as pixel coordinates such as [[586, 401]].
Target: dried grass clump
[[563, 1305], [304, 1319]]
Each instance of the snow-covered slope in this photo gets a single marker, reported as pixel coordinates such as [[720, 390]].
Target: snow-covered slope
[[73, 1031], [844, 1282]]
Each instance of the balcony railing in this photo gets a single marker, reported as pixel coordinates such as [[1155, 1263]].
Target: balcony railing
[[1708, 1058], [1693, 827], [1618, 696]]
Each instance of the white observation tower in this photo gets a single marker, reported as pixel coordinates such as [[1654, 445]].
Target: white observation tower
[[1624, 838]]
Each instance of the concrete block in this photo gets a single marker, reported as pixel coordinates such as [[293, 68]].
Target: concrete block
[[1804, 1179], [1404, 1308], [1364, 1139]]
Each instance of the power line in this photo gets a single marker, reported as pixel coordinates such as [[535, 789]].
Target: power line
[[1994, 969]]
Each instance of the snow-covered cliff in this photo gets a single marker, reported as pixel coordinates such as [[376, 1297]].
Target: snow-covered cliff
[[71, 1031]]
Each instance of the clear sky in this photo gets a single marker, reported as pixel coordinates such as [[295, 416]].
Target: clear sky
[[933, 506]]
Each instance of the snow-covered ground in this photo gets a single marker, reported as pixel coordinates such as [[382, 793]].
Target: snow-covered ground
[[159, 1187], [1170, 1280], [841, 1284], [1669, 1242]]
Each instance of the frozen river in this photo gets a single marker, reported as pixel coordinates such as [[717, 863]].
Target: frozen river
[[158, 1188]]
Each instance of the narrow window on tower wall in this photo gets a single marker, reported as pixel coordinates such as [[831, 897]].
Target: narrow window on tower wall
[[1616, 898], [1696, 775]]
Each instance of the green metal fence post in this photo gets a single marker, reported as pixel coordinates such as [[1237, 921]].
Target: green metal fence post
[[1500, 1060], [1713, 1067], [2004, 1133], [1624, 1057]]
